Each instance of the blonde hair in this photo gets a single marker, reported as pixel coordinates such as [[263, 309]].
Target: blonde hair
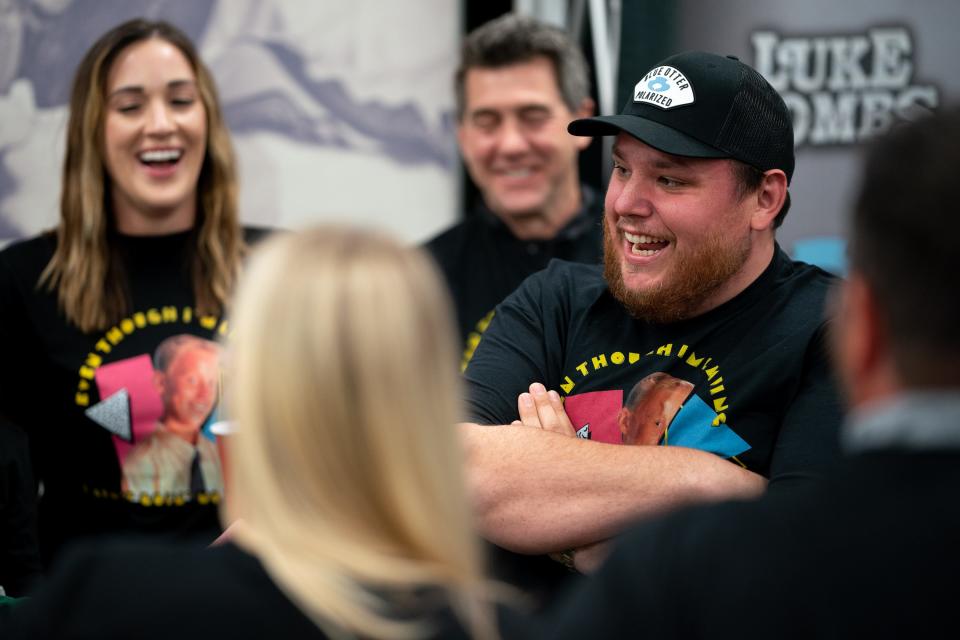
[[346, 468], [86, 272]]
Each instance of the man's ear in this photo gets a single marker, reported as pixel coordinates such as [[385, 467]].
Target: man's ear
[[768, 199], [586, 110], [870, 322], [860, 343], [160, 383], [623, 420]]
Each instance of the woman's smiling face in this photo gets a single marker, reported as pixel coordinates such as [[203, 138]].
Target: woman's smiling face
[[155, 133]]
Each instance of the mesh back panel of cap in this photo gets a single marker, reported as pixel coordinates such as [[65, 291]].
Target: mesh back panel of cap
[[756, 130]]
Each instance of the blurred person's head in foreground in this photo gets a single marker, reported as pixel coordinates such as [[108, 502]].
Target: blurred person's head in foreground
[[899, 311], [346, 470]]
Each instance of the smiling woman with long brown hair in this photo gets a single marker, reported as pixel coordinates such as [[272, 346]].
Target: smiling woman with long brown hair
[[148, 247], [345, 478]]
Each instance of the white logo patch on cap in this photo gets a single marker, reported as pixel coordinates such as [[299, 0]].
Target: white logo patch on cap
[[664, 87]]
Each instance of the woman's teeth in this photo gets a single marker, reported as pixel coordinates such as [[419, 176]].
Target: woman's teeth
[[160, 155]]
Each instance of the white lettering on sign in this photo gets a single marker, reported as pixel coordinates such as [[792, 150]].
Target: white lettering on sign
[[844, 89]]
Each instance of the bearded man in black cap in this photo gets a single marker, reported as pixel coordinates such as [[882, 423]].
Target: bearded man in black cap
[[693, 285], [870, 551]]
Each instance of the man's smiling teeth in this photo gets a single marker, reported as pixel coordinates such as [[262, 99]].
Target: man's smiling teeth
[[518, 173], [642, 239], [164, 155], [636, 240]]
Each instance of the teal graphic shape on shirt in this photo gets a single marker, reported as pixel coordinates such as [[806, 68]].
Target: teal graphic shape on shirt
[[693, 427]]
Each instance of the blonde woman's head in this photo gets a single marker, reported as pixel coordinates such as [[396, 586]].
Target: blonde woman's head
[[345, 466]]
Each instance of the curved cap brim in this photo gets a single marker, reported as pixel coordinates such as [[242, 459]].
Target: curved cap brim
[[656, 135]]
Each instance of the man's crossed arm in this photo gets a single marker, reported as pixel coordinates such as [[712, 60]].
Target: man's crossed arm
[[536, 489]]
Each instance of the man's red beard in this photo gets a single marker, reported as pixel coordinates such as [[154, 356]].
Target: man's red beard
[[695, 274]]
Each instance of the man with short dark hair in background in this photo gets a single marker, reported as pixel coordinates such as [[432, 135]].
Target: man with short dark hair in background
[[518, 86], [871, 550]]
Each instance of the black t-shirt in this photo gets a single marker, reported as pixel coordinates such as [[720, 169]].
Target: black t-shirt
[[483, 262], [748, 380], [130, 589], [86, 401], [868, 552], [19, 551]]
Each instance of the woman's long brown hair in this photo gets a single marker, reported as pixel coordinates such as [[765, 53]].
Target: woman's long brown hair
[[85, 271]]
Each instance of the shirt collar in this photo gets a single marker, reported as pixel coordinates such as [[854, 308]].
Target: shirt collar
[[587, 217], [917, 420]]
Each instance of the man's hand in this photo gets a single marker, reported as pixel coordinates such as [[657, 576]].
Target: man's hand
[[543, 409], [527, 485], [588, 558]]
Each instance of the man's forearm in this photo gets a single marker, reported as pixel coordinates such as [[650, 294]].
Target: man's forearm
[[537, 492]]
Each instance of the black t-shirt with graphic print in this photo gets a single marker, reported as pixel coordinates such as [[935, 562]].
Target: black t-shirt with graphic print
[[748, 380], [86, 401]]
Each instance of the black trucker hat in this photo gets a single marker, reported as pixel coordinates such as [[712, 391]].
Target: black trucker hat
[[704, 106]]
